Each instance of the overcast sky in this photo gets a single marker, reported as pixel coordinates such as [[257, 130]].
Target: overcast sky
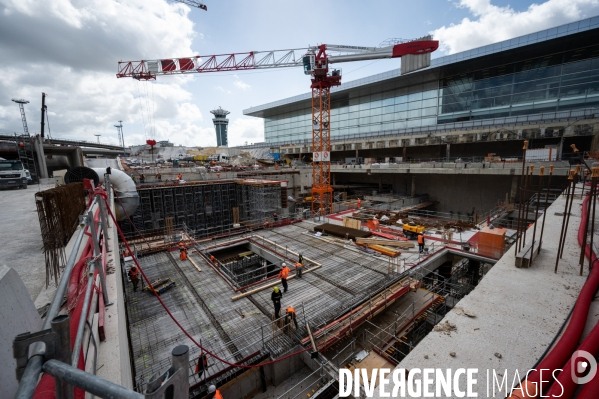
[[69, 49]]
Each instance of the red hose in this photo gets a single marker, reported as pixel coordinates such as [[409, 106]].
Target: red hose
[[567, 344]]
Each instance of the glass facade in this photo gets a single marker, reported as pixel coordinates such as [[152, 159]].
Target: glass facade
[[408, 107], [558, 82], [554, 83]]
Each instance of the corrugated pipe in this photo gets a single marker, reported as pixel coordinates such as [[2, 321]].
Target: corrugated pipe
[[566, 346], [126, 191]]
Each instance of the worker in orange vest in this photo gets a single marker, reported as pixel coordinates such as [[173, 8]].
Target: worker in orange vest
[[283, 274], [290, 315], [134, 277], [214, 393], [212, 259], [298, 269], [181, 245], [202, 364], [420, 242], [183, 255], [359, 203]]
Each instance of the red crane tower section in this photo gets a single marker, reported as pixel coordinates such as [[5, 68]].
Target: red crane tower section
[[315, 61]]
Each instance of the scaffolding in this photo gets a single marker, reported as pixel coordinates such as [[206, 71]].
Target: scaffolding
[[205, 208]]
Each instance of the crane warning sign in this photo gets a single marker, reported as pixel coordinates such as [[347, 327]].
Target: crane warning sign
[[321, 156]]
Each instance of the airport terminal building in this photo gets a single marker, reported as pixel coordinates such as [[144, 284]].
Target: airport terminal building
[[533, 81]]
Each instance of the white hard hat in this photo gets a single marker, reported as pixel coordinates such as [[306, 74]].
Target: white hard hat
[[211, 389]]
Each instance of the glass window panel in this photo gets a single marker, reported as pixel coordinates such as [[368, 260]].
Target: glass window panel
[[402, 114], [429, 111], [503, 100], [593, 88], [482, 103], [401, 99], [429, 94], [401, 107], [353, 108], [376, 111], [376, 103], [388, 117], [414, 123], [415, 96], [415, 105], [399, 125], [343, 124], [389, 110], [579, 78], [595, 63], [429, 121], [416, 113], [344, 116], [364, 113], [388, 101], [364, 105], [429, 103], [376, 119], [571, 91]]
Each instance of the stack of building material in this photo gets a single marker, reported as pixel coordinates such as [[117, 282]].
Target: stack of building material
[[340, 231]]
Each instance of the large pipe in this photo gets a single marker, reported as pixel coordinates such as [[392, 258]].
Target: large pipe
[[125, 189]]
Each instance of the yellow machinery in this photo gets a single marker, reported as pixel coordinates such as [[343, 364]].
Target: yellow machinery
[[411, 230]]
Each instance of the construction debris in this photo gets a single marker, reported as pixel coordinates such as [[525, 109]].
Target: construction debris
[[340, 231], [446, 328]]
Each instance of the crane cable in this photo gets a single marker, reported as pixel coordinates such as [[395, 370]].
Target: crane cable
[[141, 108], [173, 317]]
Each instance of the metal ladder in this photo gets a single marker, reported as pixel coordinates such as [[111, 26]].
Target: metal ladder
[[25, 146]]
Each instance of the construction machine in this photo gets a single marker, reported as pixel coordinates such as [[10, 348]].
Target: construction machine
[[411, 230]]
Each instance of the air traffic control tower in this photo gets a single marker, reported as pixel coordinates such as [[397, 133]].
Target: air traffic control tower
[[220, 125]]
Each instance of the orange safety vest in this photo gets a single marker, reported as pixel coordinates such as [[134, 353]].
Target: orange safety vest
[[183, 255], [290, 310], [204, 359], [134, 274], [298, 265], [284, 272], [217, 395], [420, 239]]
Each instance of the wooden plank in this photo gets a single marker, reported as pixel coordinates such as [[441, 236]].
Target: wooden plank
[[193, 263], [389, 243]]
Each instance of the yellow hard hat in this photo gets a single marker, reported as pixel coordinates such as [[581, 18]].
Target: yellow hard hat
[[276, 289]]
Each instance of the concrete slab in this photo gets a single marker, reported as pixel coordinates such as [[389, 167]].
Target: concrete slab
[[21, 237]]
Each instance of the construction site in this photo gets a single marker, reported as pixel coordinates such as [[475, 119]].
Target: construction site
[[273, 278]]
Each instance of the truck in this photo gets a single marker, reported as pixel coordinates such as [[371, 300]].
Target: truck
[[12, 174]]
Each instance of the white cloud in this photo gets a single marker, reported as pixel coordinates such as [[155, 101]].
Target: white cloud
[[492, 24], [222, 89], [242, 130], [241, 84], [69, 49]]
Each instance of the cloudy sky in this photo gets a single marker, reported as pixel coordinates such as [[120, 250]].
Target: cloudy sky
[[69, 49]]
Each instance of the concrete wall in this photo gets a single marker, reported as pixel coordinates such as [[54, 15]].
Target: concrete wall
[[17, 315]]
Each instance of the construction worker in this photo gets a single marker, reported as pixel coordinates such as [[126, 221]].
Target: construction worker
[[158, 176], [202, 364], [214, 393], [276, 300], [359, 203], [218, 175], [283, 274], [134, 277], [298, 269], [212, 259], [275, 217], [181, 245], [301, 259], [290, 315], [183, 254], [179, 177], [142, 178], [420, 242]]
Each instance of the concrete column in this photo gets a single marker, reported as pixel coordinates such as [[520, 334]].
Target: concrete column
[[447, 152], [356, 155], [41, 157], [404, 153], [514, 189], [413, 185], [542, 132]]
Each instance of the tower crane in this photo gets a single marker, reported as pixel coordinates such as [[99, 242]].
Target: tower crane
[[315, 60]]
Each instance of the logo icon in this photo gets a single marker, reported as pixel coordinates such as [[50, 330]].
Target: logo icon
[[584, 367]]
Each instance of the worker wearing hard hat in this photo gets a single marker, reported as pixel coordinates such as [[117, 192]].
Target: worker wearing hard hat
[[183, 255], [202, 364], [276, 300], [214, 393], [290, 315], [134, 277], [420, 242], [283, 274]]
